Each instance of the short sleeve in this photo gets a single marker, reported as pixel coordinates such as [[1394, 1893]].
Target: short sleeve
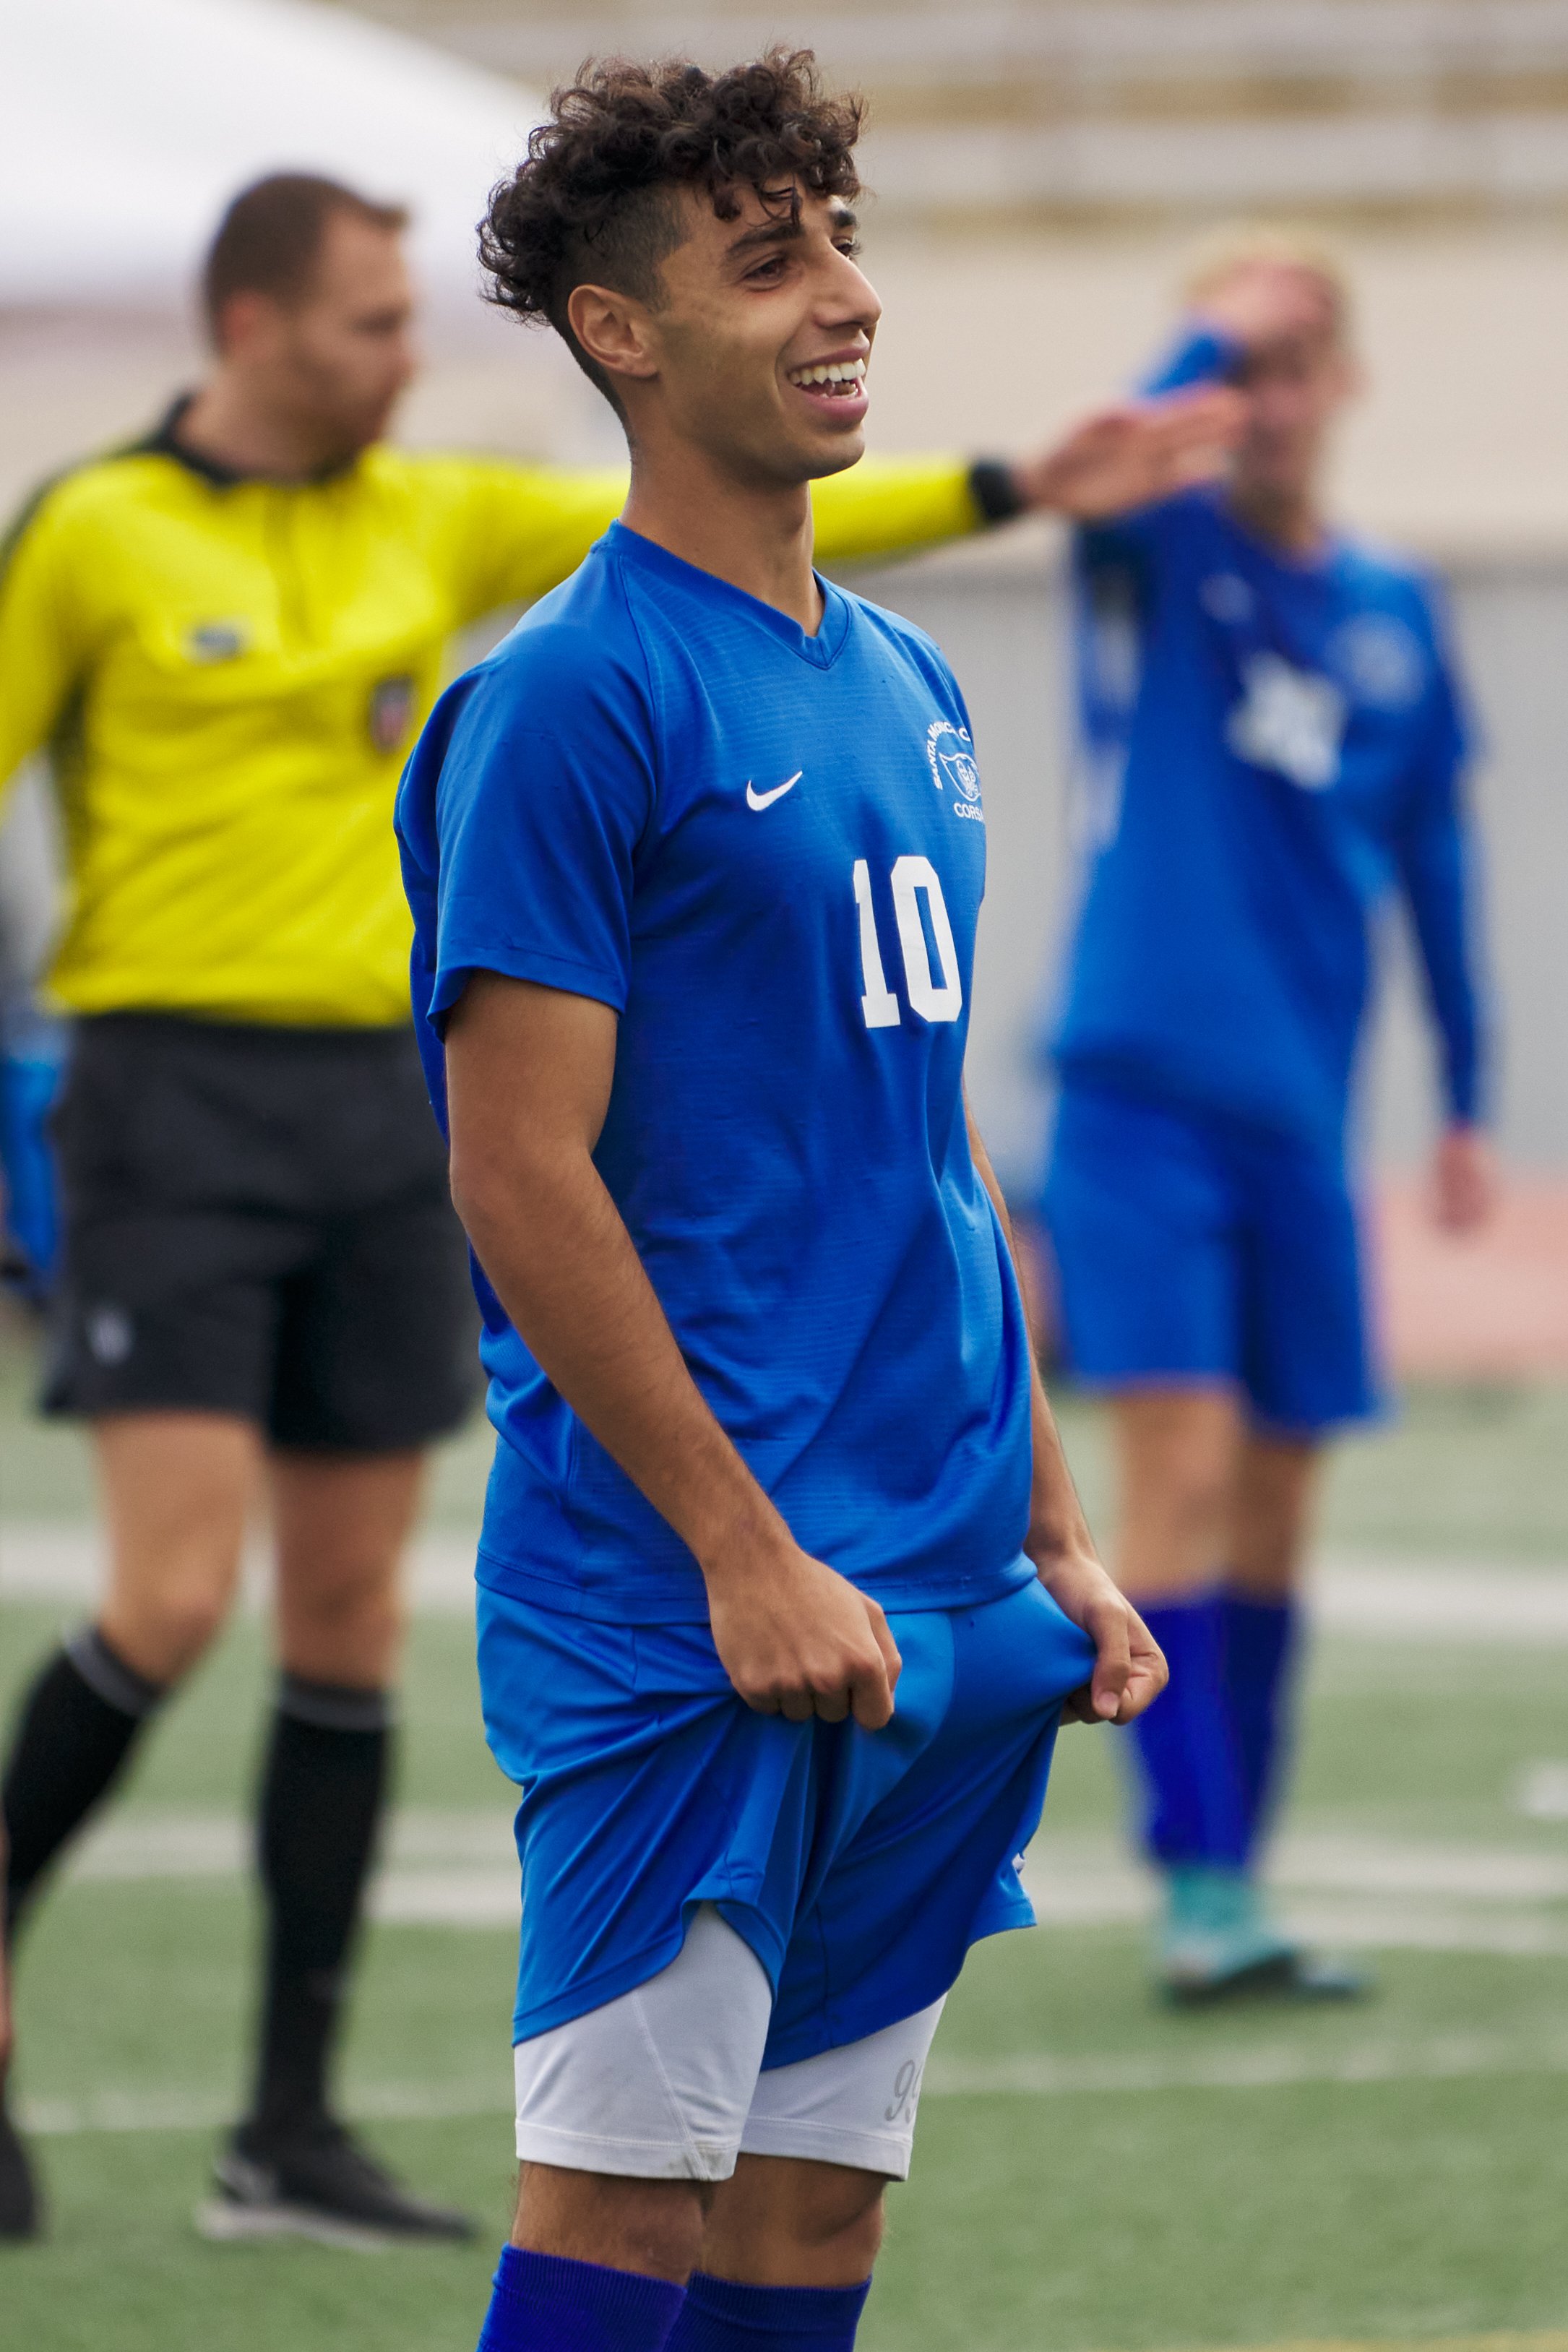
[[1435, 847], [521, 818], [511, 532], [43, 637]]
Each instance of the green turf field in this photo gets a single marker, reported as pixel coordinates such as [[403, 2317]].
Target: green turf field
[[1091, 2173]]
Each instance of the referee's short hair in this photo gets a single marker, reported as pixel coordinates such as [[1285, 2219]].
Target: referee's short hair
[[269, 238]]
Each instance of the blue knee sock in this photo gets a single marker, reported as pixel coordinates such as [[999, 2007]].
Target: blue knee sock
[[1194, 1807], [1259, 1641], [722, 2316], [542, 2303]]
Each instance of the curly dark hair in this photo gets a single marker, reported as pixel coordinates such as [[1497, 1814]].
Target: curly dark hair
[[590, 201]]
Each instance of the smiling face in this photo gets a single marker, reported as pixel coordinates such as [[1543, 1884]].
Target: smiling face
[[756, 350]]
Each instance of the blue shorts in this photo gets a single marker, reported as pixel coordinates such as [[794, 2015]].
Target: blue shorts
[[859, 1866], [1191, 1247]]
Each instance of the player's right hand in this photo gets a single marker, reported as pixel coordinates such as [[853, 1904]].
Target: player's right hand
[[799, 1640]]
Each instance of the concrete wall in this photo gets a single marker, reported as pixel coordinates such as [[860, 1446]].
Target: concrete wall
[[998, 614]]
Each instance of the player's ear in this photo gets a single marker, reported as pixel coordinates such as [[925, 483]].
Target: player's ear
[[616, 330]]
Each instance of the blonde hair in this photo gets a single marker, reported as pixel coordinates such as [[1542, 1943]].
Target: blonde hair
[[1247, 244]]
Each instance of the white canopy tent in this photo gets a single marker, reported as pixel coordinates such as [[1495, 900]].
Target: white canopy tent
[[125, 124]]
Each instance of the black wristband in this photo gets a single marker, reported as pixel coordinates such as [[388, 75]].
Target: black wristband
[[995, 490]]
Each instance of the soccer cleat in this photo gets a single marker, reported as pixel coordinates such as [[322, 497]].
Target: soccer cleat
[[1288, 1975], [1217, 1943], [316, 2182], [21, 2215]]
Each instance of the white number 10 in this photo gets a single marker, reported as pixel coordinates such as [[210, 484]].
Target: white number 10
[[909, 876]]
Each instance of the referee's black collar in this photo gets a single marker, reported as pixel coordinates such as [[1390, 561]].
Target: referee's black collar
[[164, 441]]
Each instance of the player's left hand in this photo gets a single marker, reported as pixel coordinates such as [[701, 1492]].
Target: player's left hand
[[1132, 455], [1464, 1180], [1129, 1669]]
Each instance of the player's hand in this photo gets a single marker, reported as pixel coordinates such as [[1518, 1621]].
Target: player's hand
[[1129, 1669], [1464, 1180], [1134, 455], [797, 1639]]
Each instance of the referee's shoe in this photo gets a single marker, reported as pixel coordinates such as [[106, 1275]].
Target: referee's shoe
[[315, 2181]]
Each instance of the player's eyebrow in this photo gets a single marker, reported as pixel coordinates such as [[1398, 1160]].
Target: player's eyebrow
[[787, 230]]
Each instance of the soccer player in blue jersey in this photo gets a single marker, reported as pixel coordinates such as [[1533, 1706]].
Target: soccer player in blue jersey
[[1274, 741], [782, 1585]]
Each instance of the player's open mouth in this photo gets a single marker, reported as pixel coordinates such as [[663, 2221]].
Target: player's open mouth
[[831, 379]]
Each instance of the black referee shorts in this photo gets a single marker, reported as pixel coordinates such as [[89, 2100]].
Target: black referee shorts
[[258, 1222]]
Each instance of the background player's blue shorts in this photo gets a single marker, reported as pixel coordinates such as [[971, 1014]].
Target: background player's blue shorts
[[859, 1866], [1191, 1246]]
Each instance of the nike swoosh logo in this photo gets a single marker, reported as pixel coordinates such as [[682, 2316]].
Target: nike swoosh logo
[[757, 800]]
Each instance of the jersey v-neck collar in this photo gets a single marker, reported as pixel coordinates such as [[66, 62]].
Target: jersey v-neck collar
[[820, 651]]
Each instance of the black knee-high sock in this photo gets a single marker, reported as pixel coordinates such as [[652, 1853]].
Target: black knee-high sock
[[321, 1793], [78, 1726]]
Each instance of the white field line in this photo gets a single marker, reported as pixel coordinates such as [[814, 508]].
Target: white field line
[[1026, 2074], [48, 1560], [458, 1870], [1338, 1888], [1452, 2058], [1544, 2339], [1371, 1597], [1542, 1792]]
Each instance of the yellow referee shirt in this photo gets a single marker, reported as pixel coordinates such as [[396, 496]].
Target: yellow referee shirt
[[228, 672]]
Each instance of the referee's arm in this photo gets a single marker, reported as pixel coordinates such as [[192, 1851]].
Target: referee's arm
[[42, 637], [518, 531]]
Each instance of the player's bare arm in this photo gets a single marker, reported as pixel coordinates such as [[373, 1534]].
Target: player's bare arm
[[1130, 1671], [1465, 1178], [528, 1072]]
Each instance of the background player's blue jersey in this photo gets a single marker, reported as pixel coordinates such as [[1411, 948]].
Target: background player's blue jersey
[[766, 851], [1271, 743]]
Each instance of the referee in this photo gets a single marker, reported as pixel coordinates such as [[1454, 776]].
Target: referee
[[227, 635]]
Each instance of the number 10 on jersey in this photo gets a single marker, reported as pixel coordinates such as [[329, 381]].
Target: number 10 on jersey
[[931, 999]]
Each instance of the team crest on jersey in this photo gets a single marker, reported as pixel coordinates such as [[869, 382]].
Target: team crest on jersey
[[391, 710], [1226, 595], [216, 641], [1380, 660], [951, 753]]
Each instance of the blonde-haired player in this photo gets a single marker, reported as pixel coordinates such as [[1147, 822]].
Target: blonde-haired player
[[1274, 742]]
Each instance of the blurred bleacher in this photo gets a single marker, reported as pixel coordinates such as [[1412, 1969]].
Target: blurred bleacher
[[1065, 111]]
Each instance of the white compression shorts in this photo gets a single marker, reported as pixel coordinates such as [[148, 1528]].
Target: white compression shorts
[[665, 2082]]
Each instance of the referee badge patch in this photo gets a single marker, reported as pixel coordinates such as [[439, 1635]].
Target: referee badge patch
[[391, 710], [216, 641]]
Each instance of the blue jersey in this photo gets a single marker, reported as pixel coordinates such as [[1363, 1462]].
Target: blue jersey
[[1271, 744], [765, 851]]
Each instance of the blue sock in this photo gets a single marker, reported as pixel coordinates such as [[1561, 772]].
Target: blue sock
[[1194, 1807], [722, 2316], [542, 2303], [1259, 1641]]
